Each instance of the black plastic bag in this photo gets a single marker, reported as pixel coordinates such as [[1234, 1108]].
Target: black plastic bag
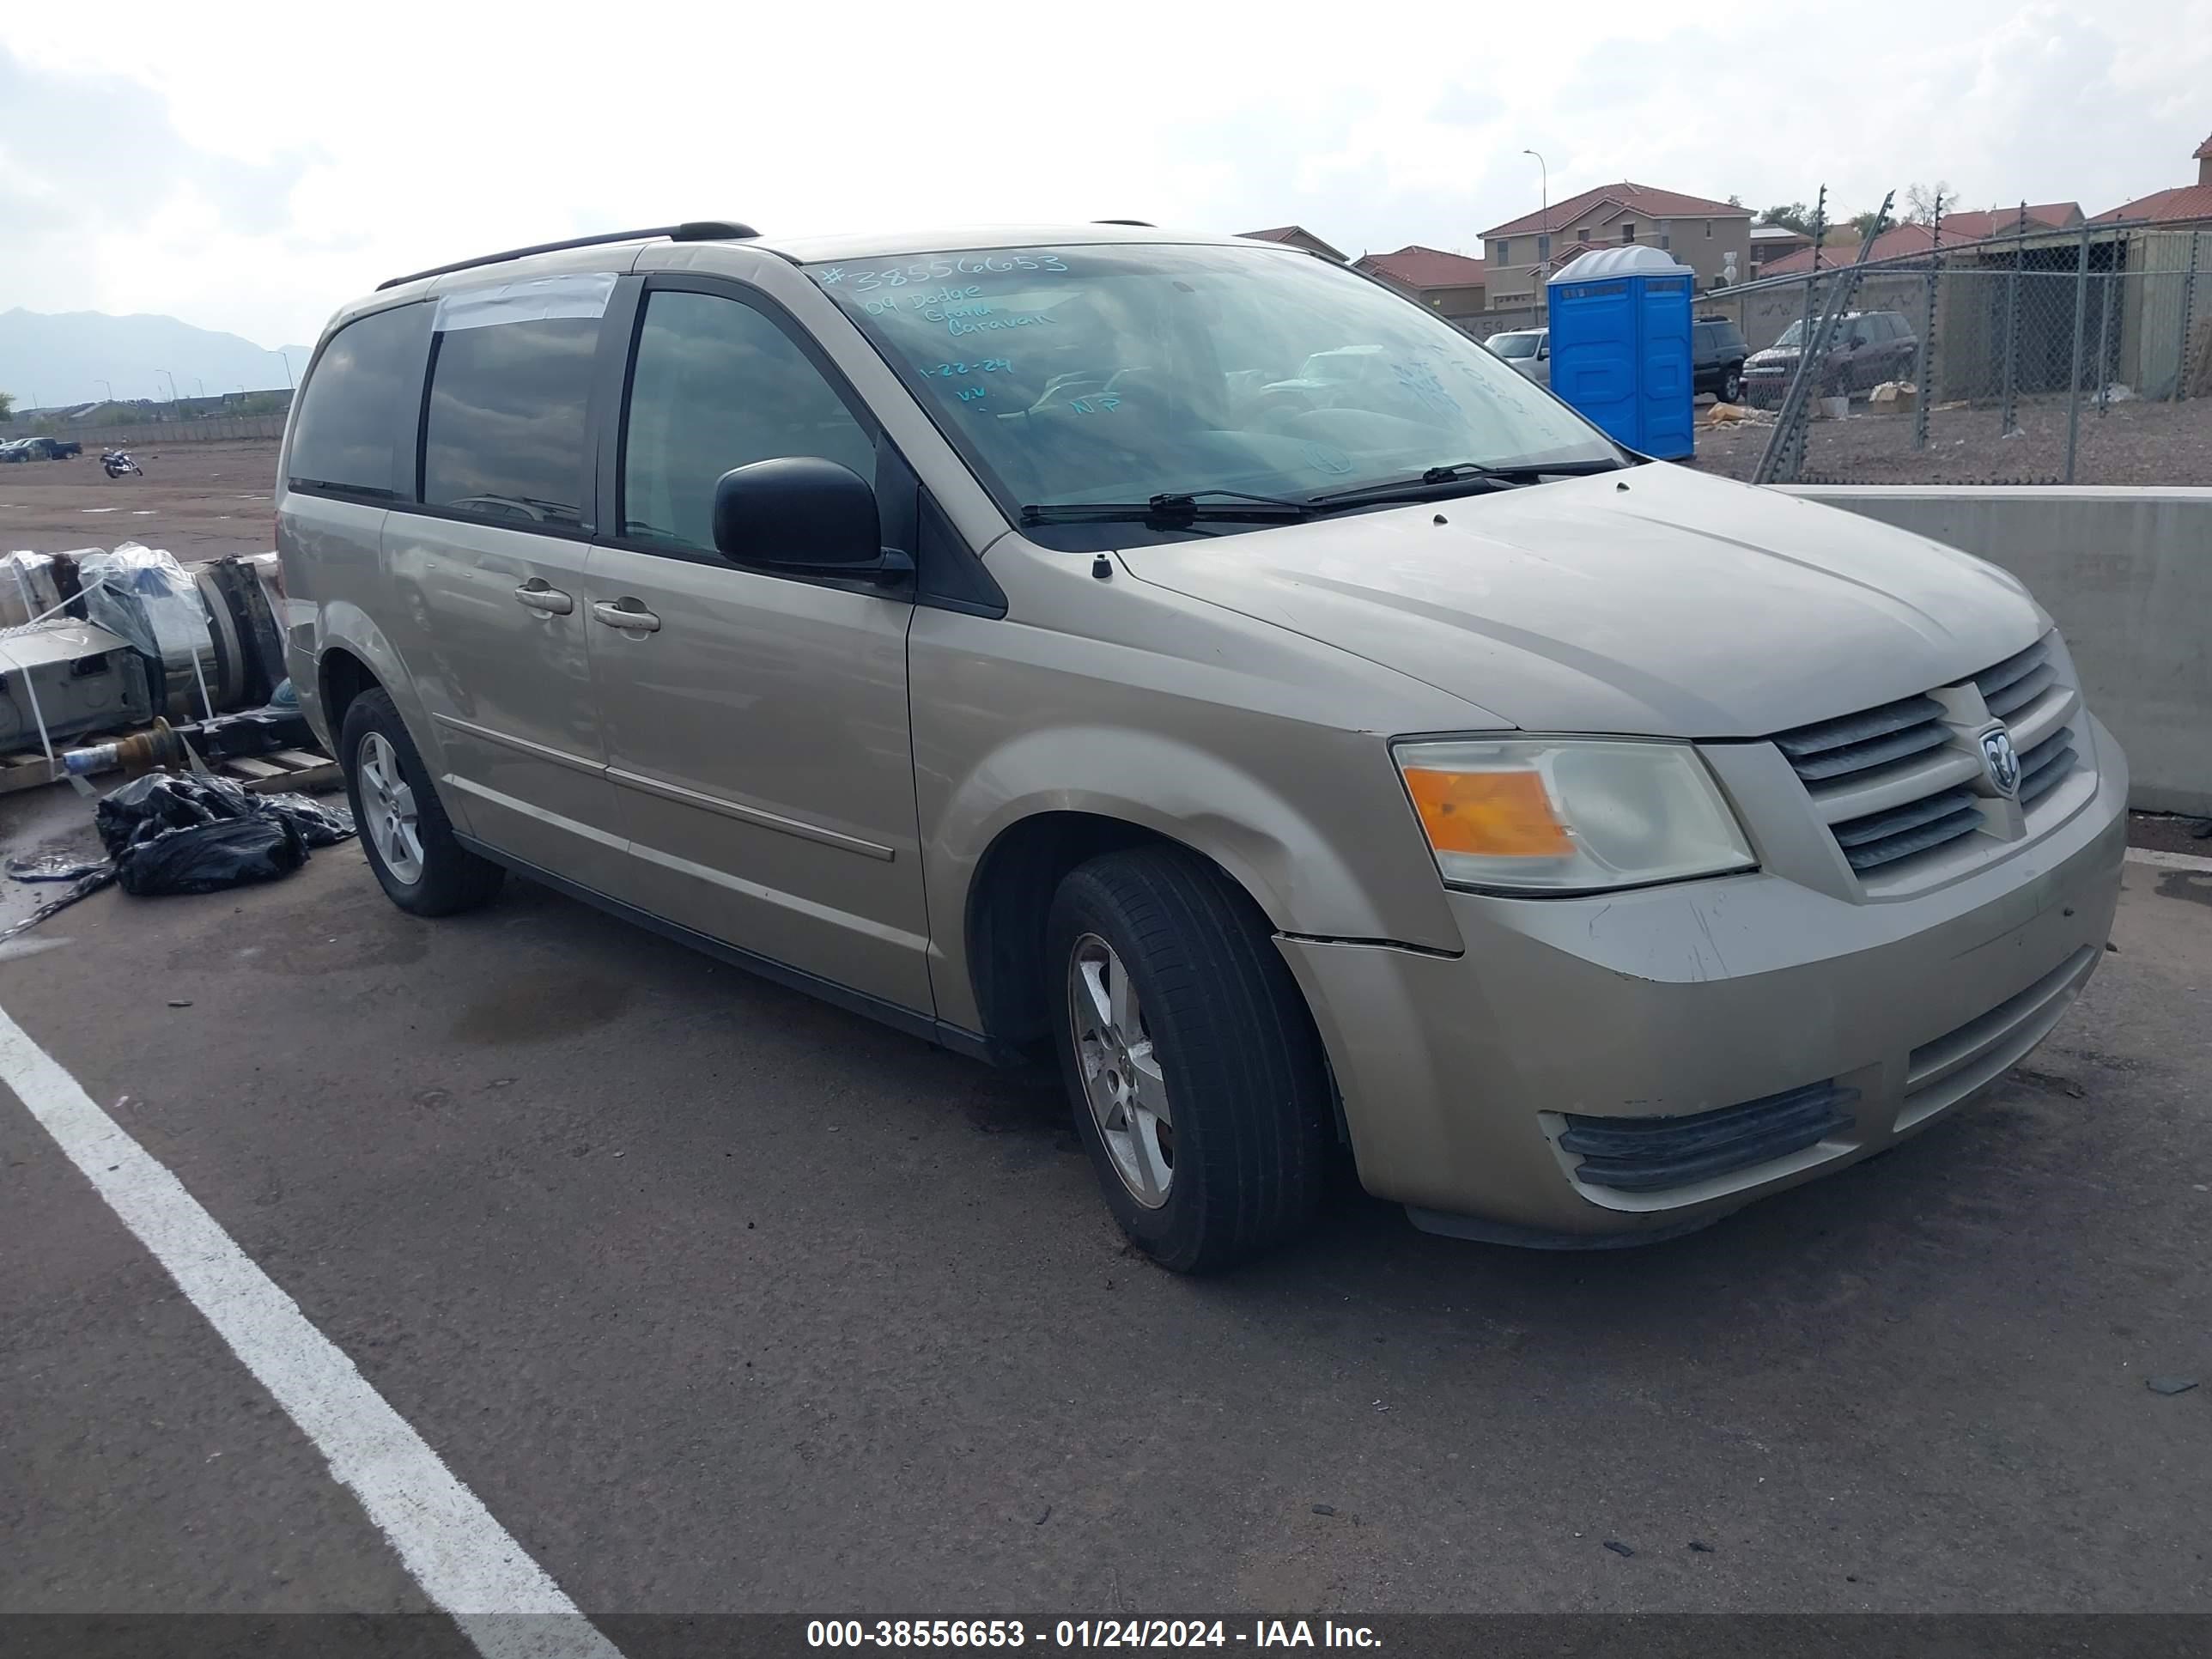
[[196, 834], [208, 857], [54, 867], [95, 877], [319, 825], [158, 803]]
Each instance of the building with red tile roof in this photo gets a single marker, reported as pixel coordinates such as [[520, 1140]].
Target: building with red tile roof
[[2183, 204], [1898, 242], [1697, 230], [1450, 284]]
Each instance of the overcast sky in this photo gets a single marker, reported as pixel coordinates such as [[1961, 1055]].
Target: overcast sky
[[248, 168]]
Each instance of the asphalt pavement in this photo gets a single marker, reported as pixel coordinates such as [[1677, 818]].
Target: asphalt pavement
[[721, 1299]]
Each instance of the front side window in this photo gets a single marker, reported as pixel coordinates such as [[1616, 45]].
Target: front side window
[[350, 433], [1513, 345], [1116, 373], [504, 436], [719, 386]]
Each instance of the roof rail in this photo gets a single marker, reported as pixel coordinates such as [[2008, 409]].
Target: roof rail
[[693, 230]]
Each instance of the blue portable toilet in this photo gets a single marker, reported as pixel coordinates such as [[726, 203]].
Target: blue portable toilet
[[1620, 346]]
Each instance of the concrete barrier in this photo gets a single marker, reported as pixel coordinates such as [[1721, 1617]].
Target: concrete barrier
[[2128, 575]]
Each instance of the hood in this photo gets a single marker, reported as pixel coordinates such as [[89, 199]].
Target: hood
[[1681, 605], [1773, 355]]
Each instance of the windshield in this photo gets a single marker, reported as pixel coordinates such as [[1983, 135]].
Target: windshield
[[1793, 334], [1121, 372], [1512, 345]]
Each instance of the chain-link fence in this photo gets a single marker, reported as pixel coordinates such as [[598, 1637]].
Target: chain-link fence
[[2080, 357]]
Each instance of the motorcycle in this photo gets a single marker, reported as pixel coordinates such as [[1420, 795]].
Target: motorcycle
[[117, 463]]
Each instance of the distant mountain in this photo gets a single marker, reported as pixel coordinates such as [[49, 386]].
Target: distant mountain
[[51, 360]]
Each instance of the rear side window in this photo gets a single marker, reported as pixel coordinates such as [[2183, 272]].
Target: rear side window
[[504, 435], [352, 433], [717, 385]]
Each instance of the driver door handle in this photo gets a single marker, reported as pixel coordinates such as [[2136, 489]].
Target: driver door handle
[[537, 596], [627, 614]]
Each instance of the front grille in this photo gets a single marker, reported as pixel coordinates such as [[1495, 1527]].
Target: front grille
[[2017, 681], [1880, 838], [1893, 783], [1649, 1154], [2042, 767], [1859, 743], [1842, 758]]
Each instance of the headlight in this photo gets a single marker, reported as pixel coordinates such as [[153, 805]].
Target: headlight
[[1554, 816]]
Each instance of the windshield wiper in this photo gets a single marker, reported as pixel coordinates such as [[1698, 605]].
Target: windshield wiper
[[1223, 506], [1439, 478]]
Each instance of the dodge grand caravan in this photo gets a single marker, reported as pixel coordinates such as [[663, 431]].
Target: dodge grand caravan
[[1011, 635]]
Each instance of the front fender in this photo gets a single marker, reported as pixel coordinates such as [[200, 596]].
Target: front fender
[[1307, 876]]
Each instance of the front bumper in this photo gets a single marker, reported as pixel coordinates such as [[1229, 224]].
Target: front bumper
[[1460, 1075]]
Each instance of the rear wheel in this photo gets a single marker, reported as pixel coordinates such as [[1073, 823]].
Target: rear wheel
[[1196, 1076], [421, 867]]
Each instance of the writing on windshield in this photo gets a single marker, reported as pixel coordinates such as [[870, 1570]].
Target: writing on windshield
[[1125, 371]]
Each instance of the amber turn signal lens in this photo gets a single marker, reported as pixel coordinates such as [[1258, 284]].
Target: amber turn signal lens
[[1502, 814]]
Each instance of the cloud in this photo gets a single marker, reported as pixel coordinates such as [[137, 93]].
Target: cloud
[[254, 175]]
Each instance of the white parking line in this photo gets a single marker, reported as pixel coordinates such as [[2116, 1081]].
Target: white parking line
[[466, 1562], [2159, 860]]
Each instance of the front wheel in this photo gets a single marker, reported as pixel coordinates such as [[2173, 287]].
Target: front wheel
[[1732, 387], [421, 864], [1196, 1076]]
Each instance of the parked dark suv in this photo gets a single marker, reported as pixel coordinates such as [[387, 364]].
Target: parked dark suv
[[1718, 351], [1868, 348]]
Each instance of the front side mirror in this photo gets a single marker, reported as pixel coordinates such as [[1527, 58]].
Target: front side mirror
[[801, 513]]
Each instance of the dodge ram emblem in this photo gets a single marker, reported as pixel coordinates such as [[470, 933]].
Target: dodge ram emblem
[[2001, 762]]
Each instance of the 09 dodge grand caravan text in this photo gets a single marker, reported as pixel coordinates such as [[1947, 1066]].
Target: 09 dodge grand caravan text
[[1186, 656]]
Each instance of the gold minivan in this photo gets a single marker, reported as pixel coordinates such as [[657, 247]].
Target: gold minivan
[[1184, 654]]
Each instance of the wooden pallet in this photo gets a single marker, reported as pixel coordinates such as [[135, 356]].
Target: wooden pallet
[[24, 771], [276, 772], [283, 771]]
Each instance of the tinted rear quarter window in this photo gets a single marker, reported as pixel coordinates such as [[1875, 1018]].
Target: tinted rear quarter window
[[351, 433], [504, 435]]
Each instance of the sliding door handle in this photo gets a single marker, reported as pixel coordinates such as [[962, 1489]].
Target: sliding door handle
[[537, 596], [626, 614]]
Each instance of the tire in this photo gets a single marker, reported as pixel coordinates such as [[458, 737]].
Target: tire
[[425, 870], [1221, 1035], [1731, 389]]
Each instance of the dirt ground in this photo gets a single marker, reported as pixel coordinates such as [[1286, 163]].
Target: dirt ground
[[196, 500], [2131, 443]]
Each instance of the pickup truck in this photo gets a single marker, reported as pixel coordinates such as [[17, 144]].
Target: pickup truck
[[41, 448]]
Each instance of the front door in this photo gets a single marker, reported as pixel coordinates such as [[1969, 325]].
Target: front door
[[490, 581], [756, 723]]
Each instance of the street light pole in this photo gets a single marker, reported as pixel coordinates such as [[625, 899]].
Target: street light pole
[[287, 356], [172, 390], [110, 385], [1544, 236]]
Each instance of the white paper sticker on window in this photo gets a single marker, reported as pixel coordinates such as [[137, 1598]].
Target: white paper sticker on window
[[530, 300]]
